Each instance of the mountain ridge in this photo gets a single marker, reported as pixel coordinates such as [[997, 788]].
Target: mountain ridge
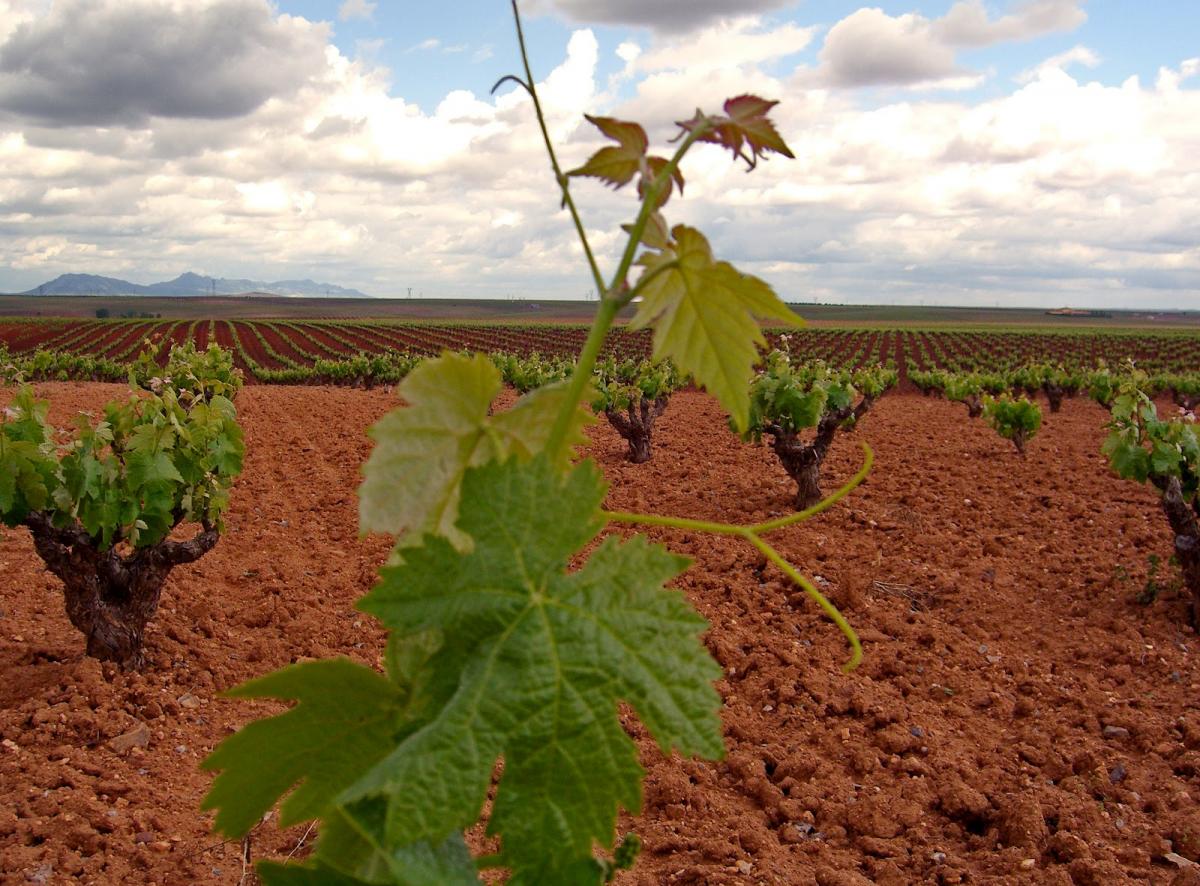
[[190, 284]]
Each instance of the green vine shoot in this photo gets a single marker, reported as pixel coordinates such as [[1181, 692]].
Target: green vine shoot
[[497, 651]]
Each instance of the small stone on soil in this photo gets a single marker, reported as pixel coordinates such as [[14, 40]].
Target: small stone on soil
[[139, 737]]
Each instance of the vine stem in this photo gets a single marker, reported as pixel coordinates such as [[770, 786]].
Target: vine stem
[[753, 534], [616, 295], [559, 176]]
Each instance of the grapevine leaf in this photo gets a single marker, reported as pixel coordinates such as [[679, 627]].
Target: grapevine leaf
[[655, 234], [653, 167], [703, 313], [617, 165], [351, 843], [352, 850], [1130, 461], [272, 874], [803, 408], [522, 430], [23, 486], [536, 659], [1165, 459], [345, 721], [748, 117], [29, 423], [745, 125], [413, 477]]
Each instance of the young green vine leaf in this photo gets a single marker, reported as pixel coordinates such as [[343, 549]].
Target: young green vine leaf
[[344, 723], [704, 315], [534, 662], [412, 479]]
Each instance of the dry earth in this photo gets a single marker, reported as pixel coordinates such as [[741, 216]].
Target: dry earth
[[1018, 718]]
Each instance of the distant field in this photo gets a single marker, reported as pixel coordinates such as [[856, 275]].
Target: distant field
[[240, 308]]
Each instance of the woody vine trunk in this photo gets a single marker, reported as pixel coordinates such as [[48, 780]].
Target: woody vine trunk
[[1184, 519], [1185, 400], [1054, 394], [110, 598], [802, 460], [1019, 439], [636, 425]]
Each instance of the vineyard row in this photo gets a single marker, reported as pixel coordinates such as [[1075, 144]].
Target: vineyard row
[[289, 351]]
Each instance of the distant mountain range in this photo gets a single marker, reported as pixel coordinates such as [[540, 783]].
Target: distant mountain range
[[190, 284]]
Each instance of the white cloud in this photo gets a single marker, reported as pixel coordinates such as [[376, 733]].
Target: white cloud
[[1076, 55], [1058, 190], [664, 16], [740, 42], [872, 48], [352, 9], [967, 22], [118, 62]]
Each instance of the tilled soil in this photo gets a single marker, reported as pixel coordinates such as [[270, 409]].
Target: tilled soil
[[1018, 717]]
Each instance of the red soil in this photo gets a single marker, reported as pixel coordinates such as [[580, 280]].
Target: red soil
[[281, 345], [253, 346], [19, 337], [126, 341], [1018, 719]]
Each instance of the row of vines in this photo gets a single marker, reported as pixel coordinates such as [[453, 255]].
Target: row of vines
[[305, 352]]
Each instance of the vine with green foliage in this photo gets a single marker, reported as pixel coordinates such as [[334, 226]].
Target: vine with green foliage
[[1166, 454], [1014, 418], [632, 395], [102, 502], [496, 650], [787, 398]]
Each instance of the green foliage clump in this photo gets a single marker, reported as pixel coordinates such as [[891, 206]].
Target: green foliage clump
[[531, 372], [193, 374], [159, 459], [1165, 453], [787, 399], [1016, 419], [632, 394], [619, 383], [151, 463], [1103, 385]]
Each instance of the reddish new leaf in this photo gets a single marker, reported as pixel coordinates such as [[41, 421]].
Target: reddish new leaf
[[653, 167], [616, 166], [746, 124]]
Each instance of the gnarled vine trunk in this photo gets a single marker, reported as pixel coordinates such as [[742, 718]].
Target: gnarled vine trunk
[[1187, 401], [636, 425], [1185, 523], [1055, 394], [109, 597], [1019, 441], [802, 460]]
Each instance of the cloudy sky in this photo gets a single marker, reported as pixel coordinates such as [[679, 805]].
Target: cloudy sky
[[947, 151]]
